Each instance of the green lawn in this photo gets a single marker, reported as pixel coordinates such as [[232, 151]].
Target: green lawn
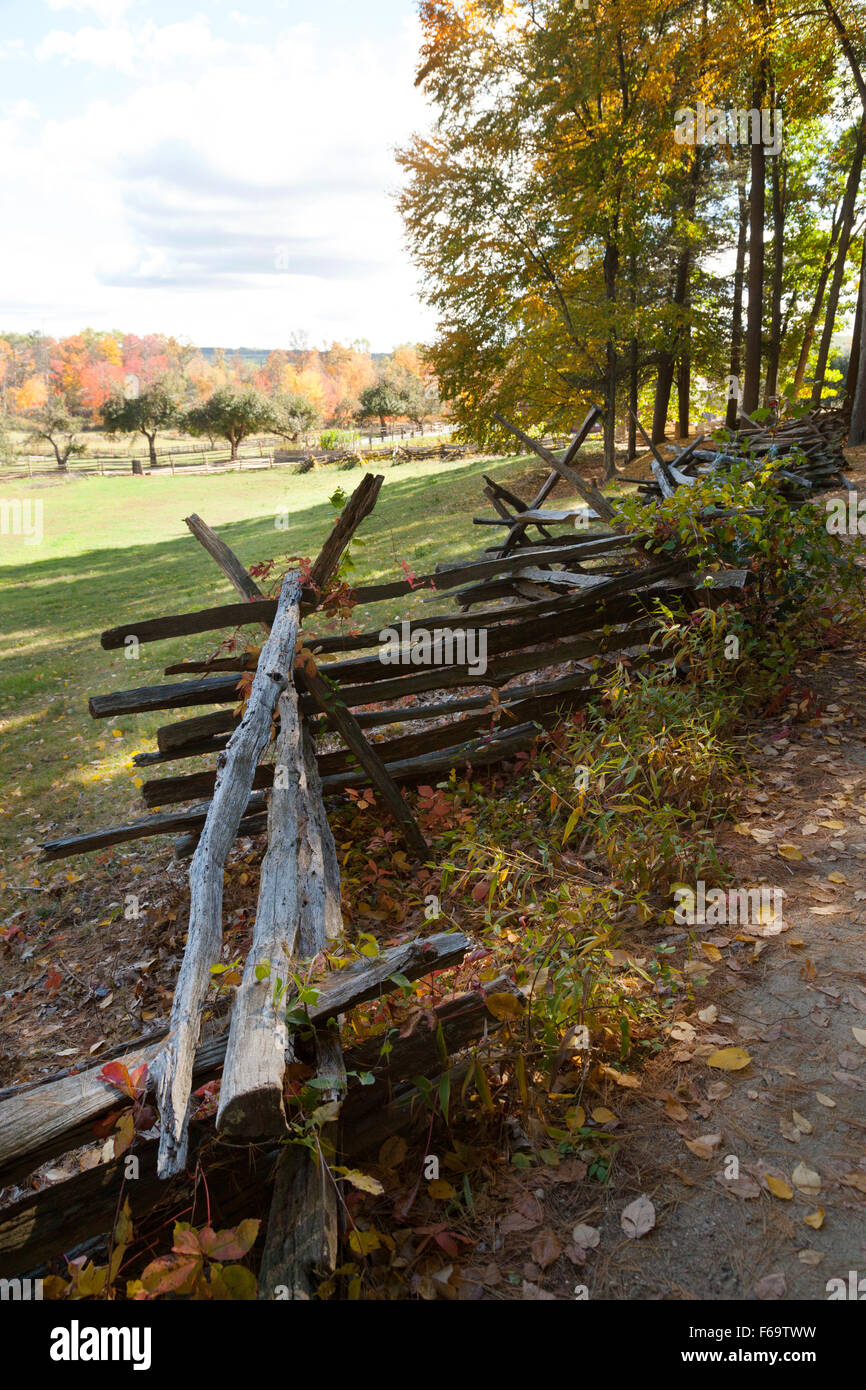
[[117, 549]]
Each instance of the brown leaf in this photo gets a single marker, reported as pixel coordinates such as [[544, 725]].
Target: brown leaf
[[638, 1217], [772, 1286], [545, 1248]]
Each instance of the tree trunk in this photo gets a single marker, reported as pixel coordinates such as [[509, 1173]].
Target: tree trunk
[[774, 347], [852, 187], [857, 378], [631, 449], [611, 268], [151, 448], [854, 356], [752, 364], [684, 387], [679, 299], [815, 314], [733, 406], [234, 448], [664, 382], [632, 400]]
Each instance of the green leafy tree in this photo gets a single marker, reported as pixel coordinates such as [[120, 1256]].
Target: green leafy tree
[[55, 423], [146, 412], [231, 415], [383, 400], [294, 415]]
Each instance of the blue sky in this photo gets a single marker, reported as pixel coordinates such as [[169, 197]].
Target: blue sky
[[220, 171]]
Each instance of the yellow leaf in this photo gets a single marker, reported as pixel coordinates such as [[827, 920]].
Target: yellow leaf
[[363, 1181], [441, 1190], [836, 877], [575, 1117], [832, 824], [362, 1242], [779, 1188], [815, 1219], [392, 1152], [622, 1078], [711, 952], [602, 1116], [570, 824], [857, 1180], [729, 1059], [705, 1146], [790, 852], [504, 1006], [673, 1109]]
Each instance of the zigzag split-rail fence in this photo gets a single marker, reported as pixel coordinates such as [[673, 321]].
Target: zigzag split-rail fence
[[558, 606]]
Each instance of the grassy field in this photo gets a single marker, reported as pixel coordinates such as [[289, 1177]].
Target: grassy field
[[117, 548]]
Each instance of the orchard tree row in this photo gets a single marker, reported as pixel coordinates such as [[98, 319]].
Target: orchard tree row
[[56, 389]]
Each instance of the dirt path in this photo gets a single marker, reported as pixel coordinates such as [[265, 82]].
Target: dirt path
[[792, 1001], [791, 993]]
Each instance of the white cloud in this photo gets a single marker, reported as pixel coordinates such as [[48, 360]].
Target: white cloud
[[106, 10], [231, 192], [148, 47]]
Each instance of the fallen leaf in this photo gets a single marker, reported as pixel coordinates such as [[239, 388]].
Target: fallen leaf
[[586, 1237], [504, 1006], [806, 1180], [705, 1146], [441, 1190], [533, 1292], [729, 1059], [603, 1116], [790, 852], [545, 1248], [825, 1100], [810, 1257], [743, 1186], [815, 1219], [621, 1078], [805, 1126], [860, 1035], [836, 877], [857, 1180], [778, 1188], [673, 1109], [771, 1286], [364, 1182], [639, 1217]]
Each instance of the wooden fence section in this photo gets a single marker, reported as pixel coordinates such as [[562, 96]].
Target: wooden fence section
[[555, 614]]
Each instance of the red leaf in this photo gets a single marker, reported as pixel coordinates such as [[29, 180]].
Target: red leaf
[[115, 1074], [231, 1244], [447, 1244]]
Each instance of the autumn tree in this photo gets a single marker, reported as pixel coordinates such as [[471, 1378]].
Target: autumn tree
[[530, 202], [145, 412]]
